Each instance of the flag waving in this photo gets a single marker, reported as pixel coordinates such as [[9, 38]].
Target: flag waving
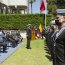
[[42, 7], [40, 28]]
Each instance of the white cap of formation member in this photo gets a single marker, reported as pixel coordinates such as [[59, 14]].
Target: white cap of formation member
[[60, 12]]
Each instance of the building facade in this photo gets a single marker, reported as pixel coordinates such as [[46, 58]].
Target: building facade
[[14, 6]]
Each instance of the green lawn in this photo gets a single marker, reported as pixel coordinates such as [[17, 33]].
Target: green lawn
[[34, 56]]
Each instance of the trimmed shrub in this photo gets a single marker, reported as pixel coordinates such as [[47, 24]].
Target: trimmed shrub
[[20, 21]]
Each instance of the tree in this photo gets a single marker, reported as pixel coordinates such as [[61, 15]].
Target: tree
[[52, 6], [61, 4], [55, 4]]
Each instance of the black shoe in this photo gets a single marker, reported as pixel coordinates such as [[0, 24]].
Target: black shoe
[[28, 47], [4, 51]]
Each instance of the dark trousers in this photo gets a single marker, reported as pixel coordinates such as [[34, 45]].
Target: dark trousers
[[28, 43], [4, 48]]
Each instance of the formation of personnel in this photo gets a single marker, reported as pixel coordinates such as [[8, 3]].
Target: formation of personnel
[[55, 39]]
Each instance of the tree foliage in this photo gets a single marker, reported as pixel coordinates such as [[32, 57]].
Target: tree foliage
[[61, 4], [55, 4], [18, 21]]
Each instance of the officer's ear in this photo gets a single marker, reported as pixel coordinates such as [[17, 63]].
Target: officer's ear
[[63, 20]]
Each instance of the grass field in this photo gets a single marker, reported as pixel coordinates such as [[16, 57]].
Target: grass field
[[35, 56]]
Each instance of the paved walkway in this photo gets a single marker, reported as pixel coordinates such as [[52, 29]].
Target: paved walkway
[[10, 50], [23, 34]]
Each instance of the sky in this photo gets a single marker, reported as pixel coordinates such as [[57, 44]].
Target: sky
[[36, 7]]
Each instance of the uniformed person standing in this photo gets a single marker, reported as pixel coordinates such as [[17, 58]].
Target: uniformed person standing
[[60, 41], [53, 37], [28, 36]]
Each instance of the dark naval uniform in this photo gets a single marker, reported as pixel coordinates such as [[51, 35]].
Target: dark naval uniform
[[60, 45], [53, 37], [28, 37], [49, 40]]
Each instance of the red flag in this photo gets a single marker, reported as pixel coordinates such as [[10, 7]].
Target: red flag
[[42, 7]]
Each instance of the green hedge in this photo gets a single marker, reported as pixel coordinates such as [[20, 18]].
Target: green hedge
[[18, 21]]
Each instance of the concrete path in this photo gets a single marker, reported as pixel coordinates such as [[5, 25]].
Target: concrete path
[[10, 50]]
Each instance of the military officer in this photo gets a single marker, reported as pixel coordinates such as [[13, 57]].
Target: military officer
[[28, 36], [60, 40]]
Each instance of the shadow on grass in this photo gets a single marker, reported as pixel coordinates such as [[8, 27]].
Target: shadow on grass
[[48, 52], [49, 57], [46, 49]]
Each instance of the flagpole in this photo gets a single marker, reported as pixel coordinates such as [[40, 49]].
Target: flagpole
[[45, 12], [45, 20]]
